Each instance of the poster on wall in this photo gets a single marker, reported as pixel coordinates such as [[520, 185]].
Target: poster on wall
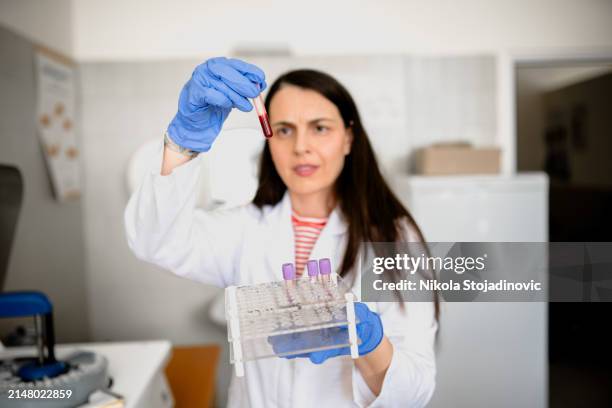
[[56, 98]]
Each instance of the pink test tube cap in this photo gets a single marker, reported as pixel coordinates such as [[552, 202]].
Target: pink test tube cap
[[313, 268], [324, 266], [288, 271]]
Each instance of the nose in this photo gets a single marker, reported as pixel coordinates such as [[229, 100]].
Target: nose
[[302, 142]]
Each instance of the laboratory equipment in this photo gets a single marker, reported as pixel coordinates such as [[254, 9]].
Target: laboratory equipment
[[319, 315], [325, 269], [43, 378], [289, 275], [288, 272], [37, 376], [313, 270], [260, 108], [11, 198]]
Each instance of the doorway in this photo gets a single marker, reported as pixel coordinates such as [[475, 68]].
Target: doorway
[[564, 128]]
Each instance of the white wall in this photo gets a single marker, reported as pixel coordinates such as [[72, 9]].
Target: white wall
[[158, 29], [45, 22], [151, 29]]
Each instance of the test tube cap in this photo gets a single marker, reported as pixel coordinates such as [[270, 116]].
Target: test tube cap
[[313, 268], [288, 271], [324, 266]]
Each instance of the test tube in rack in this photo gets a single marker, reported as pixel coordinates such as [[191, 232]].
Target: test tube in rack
[[289, 280], [261, 313], [325, 269], [313, 270]]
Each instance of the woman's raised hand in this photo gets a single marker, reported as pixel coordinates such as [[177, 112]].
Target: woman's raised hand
[[215, 87]]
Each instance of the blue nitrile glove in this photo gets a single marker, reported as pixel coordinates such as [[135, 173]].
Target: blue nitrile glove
[[215, 87], [369, 331]]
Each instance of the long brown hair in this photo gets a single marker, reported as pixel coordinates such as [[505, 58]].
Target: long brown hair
[[372, 211]]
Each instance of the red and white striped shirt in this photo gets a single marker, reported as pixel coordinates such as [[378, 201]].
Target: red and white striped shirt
[[306, 230]]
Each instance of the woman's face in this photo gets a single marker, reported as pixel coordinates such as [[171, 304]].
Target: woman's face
[[309, 142]]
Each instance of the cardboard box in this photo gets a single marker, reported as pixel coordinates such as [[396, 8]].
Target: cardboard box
[[457, 158]]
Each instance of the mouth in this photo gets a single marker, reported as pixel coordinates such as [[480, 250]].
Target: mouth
[[305, 170]]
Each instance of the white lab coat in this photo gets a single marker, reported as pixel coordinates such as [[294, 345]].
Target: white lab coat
[[244, 246]]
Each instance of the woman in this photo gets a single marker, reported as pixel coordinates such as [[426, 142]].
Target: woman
[[320, 195]]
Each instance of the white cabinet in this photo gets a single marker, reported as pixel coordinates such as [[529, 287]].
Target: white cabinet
[[489, 354], [478, 208]]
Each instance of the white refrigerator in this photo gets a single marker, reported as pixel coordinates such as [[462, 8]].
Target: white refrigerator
[[489, 354]]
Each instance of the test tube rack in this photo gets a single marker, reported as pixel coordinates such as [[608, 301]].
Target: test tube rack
[[313, 308]]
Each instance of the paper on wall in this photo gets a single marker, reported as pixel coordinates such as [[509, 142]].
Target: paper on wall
[[56, 96]]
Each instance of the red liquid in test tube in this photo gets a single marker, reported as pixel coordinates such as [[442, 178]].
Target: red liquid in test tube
[[260, 108]]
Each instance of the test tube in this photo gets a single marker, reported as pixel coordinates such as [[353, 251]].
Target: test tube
[[260, 108], [325, 269], [313, 270], [288, 274]]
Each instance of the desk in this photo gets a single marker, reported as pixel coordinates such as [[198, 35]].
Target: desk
[[137, 368]]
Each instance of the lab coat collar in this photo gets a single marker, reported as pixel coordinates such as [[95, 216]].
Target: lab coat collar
[[336, 223]]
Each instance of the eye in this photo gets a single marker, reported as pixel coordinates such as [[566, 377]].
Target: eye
[[283, 131], [320, 129]]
